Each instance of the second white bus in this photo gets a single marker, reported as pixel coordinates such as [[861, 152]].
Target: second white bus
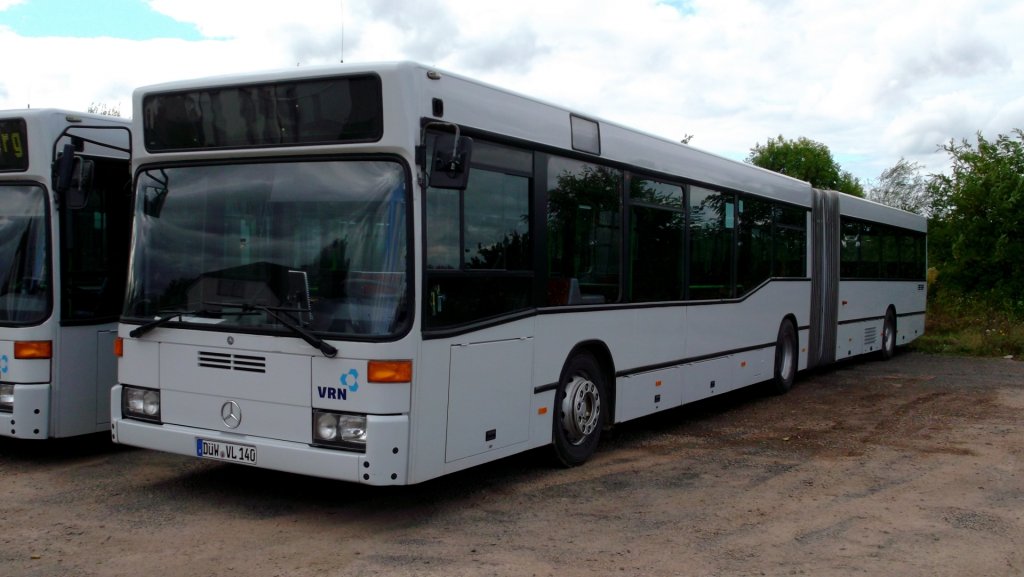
[[65, 205]]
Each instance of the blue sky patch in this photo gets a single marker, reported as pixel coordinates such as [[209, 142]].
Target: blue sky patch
[[127, 19], [684, 7]]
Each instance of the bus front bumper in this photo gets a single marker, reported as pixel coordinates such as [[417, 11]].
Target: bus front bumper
[[30, 417], [384, 463]]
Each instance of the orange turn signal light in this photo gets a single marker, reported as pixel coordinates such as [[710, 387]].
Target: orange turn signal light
[[118, 347], [389, 371], [33, 349]]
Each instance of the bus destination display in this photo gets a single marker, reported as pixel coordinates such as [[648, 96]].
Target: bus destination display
[[13, 144], [285, 113]]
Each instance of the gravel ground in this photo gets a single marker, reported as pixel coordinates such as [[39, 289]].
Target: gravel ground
[[908, 467]]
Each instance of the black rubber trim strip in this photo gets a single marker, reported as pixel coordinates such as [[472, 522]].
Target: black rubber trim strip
[[675, 363]]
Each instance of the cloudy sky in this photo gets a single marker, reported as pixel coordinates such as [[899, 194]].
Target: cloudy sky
[[874, 80]]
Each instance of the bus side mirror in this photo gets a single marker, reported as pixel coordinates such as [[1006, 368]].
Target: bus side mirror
[[74, 178], [450, 166]]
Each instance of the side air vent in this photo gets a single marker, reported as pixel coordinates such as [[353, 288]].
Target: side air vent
[[870, 336], [232, 362]]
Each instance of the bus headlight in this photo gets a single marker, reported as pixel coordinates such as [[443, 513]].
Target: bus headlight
[[7, 397], [138, 403], [340, 430]]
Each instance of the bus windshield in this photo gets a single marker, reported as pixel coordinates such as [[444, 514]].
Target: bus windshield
[[322, 243], [24, 269]]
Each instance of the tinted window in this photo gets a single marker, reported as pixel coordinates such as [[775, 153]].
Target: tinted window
[[584, 232], [478, 242], [849, 249], [878, 251], [656, 240], [789, 242], [754, 244], [712, 220], [94, 253]]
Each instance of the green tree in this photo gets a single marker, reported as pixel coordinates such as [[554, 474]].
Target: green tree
[[903, 186], [807, 160], [977, 227], [104, 109]]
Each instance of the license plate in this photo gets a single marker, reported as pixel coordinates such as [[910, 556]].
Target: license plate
[[221, 451]]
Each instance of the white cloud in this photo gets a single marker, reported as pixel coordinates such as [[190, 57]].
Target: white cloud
[[873, 80], [1005, 117]]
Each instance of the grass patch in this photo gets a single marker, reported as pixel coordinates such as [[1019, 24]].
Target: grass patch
[[966, 327]]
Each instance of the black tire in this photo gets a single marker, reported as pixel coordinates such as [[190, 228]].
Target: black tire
[[889, 335], [580, 410], [787, 358]]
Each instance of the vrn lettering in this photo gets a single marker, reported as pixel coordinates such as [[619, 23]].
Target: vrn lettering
[[332, 393]]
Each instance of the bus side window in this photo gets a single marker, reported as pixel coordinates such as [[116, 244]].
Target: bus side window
[[584, 229], [754, 247], [656, 230], [789, 242], [478, 246], [711, 244]]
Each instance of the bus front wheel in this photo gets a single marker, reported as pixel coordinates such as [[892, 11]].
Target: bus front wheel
[[580, 410], [786, 358]]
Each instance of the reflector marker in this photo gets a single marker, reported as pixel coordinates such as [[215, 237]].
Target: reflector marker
[[33, 349]]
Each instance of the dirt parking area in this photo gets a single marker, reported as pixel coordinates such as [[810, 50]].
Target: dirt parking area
[[910, 467]]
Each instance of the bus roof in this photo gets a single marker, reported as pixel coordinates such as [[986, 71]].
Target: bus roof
[[869, 210], [60, 116], [411, 89], [43, 126]]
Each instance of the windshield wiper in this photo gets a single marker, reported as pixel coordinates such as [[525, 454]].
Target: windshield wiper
[[314, 341], [158, 322]]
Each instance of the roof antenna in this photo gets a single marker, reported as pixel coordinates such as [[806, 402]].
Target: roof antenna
[[342, 61]]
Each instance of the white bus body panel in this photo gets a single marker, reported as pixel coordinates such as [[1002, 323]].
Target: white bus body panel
[[200, 371], [862, 308], [65, 395], [85, 365], [380, 467], [488, 396], [470, 385]]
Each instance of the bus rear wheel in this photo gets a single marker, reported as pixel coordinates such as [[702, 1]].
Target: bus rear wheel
[[889, 335], [580, 410], [786, 358]]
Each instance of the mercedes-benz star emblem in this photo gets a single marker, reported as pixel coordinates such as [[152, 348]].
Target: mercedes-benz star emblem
[[231, 414]]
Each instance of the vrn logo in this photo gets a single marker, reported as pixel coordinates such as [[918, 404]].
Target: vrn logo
[[349, 384]]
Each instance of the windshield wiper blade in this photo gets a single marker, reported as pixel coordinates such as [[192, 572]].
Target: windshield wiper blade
[[157, 322], [313, 340]]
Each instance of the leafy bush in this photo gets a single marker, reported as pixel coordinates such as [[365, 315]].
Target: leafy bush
[[971, 324]]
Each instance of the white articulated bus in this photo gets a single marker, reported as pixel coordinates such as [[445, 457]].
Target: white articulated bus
[[65, 205], [387, 273]]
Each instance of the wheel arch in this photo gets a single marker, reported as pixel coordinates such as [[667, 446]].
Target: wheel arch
[[602, 354], [791, 317]]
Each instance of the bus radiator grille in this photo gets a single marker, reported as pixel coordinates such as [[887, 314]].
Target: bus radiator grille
[[232, 362]]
